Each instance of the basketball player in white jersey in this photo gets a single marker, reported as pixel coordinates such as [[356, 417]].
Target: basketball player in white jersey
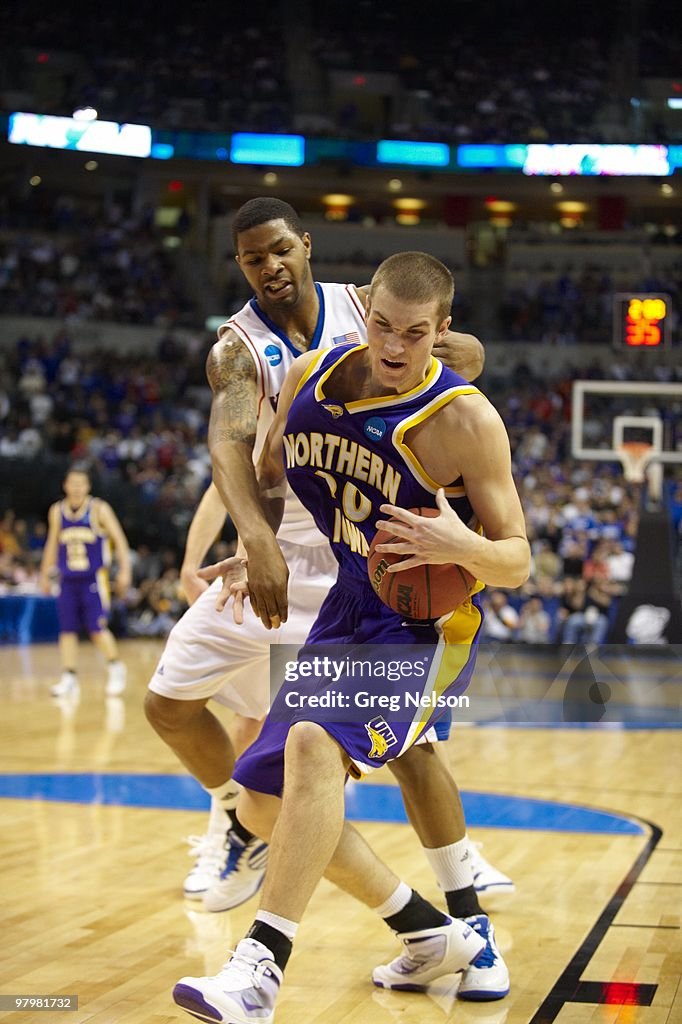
[[207, 656]]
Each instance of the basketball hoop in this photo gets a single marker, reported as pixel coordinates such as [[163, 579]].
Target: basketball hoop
[[634, 456]]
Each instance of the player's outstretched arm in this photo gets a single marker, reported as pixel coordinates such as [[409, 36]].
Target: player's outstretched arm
[[232, 428], [49, 559]]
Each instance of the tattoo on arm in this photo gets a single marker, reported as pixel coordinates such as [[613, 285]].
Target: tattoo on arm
[[231, 373]]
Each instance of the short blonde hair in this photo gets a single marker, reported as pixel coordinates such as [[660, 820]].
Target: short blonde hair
[[416, 277]]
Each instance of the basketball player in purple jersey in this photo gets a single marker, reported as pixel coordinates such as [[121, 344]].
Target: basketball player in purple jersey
[[80, 530], [440, 436], [207, 656]]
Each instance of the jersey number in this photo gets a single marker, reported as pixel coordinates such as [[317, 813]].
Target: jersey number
[[77, 556]]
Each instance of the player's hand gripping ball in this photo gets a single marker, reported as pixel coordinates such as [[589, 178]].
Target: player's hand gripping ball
[[422, 592]]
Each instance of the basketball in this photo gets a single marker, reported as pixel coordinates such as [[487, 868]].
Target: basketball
[[423, 592]]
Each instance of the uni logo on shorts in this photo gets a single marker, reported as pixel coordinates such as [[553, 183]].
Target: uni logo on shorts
[[381, 735]]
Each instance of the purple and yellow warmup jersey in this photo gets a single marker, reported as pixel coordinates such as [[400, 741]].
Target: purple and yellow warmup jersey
[[82, 550]]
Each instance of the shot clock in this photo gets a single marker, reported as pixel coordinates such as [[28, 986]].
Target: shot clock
[[641, 320]]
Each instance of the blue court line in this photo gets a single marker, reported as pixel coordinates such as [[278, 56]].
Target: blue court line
[[363, 802]]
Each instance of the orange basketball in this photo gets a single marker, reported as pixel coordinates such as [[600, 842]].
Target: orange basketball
[[423, 592]]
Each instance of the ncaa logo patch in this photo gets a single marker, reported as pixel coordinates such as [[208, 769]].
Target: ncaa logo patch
[[273, 354], [374, 428]]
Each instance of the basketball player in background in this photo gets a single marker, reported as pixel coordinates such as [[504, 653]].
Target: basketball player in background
[[439, 434], [81, 529], [206, 655]]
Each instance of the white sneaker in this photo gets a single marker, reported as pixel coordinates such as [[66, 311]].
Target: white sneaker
[[68, 683], [244, 990], [116, 682], [429, 954], [241, 877], [210, 853], [487, 879], [487, 978]]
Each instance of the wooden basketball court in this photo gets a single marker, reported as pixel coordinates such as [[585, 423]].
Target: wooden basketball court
[[92, 891]]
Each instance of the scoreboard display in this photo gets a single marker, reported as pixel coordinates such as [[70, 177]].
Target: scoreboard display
[[641, 320]]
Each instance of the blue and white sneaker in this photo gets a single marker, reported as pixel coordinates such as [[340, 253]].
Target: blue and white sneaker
[[210, 857], [244, 990], [487, 978], [487, 880], [429, 954], [241, 877]]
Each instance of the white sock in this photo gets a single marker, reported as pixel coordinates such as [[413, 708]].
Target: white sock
[[223, 799], [282, 924], [452, 865], [395, 902], [226, 794]]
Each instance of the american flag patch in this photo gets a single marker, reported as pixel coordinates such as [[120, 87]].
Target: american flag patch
[[346, 339]]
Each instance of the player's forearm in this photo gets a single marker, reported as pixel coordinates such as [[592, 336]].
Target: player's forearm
[[234, 476], [205, 527], [49, 559], [499, 563], [123, 561]]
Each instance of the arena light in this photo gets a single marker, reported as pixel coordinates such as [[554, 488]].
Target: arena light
[[337, 205], [413, 154], [502, 206], [48, 131], [408, 211], [572, 206], [256, 148]]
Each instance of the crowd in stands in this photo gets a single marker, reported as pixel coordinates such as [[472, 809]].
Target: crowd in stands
[[541, 73], [581, 518], [136, 421], [81, 259], [571, 306], [139, 423], [471, 82]]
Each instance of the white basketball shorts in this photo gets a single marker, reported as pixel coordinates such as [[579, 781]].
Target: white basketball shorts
[[208, 655]]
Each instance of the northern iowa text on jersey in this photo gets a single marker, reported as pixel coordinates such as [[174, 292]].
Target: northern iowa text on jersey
[[339, 455]]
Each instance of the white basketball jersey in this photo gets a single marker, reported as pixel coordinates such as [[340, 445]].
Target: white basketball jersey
[[341, 319]]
